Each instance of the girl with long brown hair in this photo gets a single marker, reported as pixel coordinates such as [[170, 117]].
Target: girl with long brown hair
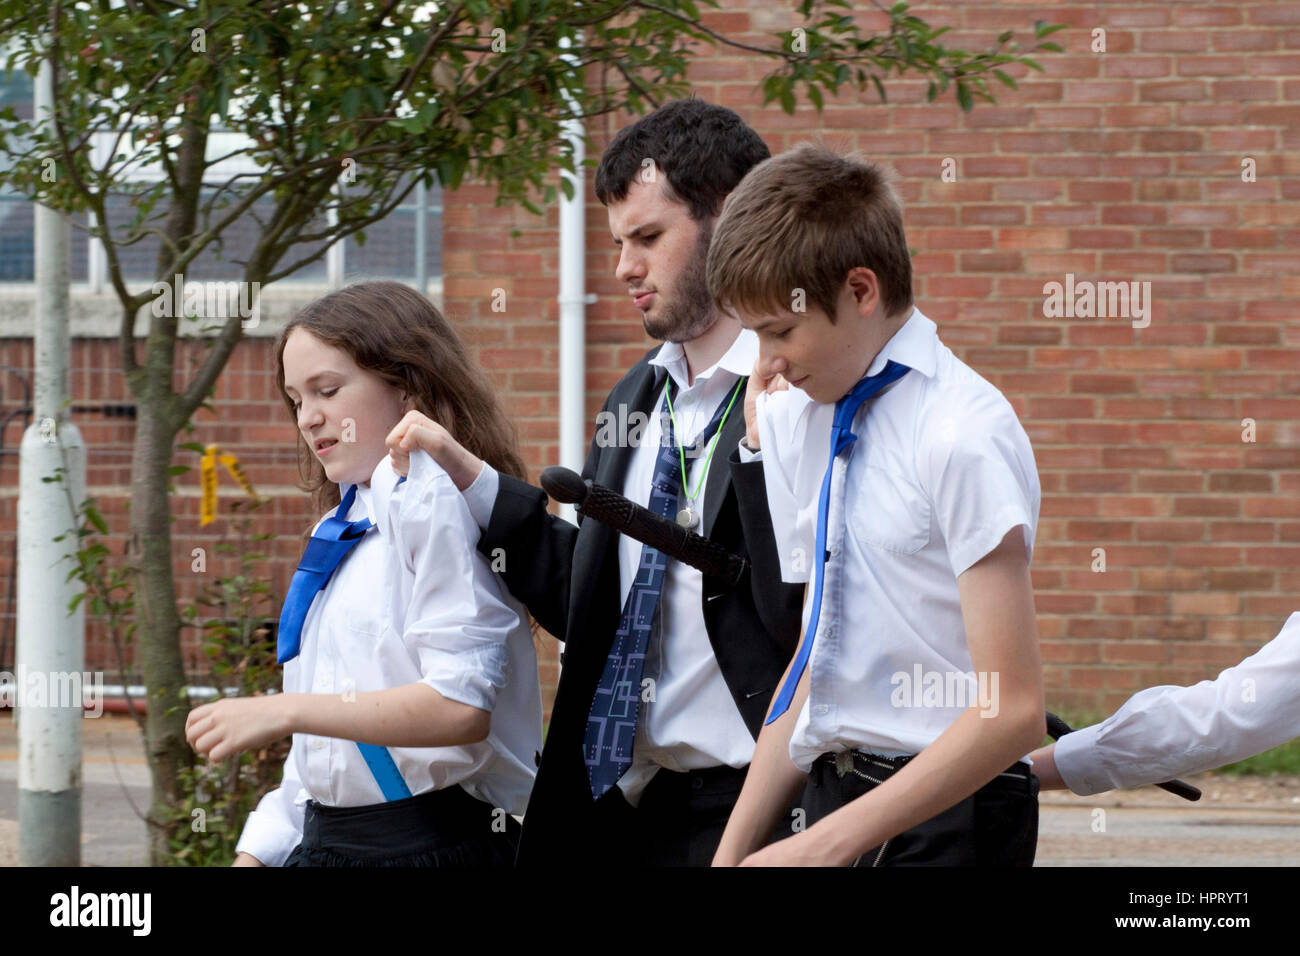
[[410, 679]]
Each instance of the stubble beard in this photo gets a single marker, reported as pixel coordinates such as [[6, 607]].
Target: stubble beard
[[690, 313]]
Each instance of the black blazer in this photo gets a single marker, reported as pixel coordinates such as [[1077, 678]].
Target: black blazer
[[568, 578]]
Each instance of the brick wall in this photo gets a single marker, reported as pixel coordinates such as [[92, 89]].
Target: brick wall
[[1116, 166]]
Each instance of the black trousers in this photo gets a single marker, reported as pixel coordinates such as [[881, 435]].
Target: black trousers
[[443, 828], [995, 826], [678, 821]]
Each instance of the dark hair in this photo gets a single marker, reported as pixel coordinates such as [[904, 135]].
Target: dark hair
[[802, 222], [391, 330], [703, 151]]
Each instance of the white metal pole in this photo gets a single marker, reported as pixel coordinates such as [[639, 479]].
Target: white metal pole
[[51, 643], [573, 313], [421, 238]]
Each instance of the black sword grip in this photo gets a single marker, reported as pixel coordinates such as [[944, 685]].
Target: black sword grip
[[612, 509]]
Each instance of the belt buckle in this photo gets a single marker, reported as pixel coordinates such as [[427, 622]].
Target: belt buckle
[[843, 762]]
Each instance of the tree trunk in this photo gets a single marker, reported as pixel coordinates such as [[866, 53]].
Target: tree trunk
[[159, 623]]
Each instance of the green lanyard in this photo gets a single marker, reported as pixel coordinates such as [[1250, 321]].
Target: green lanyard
[[688, 517]]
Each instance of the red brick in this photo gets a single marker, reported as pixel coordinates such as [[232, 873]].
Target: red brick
[[1061, 215], [1240, 580], [1181, 190], [1277, 14], [1068, 117], [1274, 64], [1210, 66], [1240, 91], [1135, 457], [1172, 91], [1100, 239], [1173, 41], [1098, 384], [1173, 141], [1232, 531], [1145, 67], [1246, 335], [1071, 166], [1245, 40], [1207, 556]]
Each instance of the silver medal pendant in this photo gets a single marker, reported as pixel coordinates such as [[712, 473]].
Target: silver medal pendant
[[687, 517]]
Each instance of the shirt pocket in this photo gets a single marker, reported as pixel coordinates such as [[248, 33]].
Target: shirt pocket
[[889, 512], [363, 621]]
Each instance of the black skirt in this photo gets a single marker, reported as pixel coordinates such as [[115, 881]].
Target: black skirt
[[447, 828]]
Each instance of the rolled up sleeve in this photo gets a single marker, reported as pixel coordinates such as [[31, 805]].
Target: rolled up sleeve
[[457, 621], [273, 829]]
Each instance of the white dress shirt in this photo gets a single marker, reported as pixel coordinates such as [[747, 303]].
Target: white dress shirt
[[941, 471], [414, 602], [1166, 732], [693, 722]]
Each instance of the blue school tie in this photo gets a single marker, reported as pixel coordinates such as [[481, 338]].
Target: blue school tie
[[611, 723], [328, 546], [841, 438], [325, 552]]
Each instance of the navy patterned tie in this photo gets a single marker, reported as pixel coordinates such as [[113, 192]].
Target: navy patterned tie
[[611, 724]]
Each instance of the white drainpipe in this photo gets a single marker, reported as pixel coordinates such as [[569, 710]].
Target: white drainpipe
[[573, 317]]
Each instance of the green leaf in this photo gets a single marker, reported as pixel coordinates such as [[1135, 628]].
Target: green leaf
[[223, 99], [95, 518], [1006, 80], [177, 469], [350, 102], [375, 99], [964, 98]]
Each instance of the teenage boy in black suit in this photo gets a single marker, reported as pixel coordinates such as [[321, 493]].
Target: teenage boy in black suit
[[666, 674]]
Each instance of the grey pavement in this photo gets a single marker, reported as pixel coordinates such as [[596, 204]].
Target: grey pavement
[[114, 776]]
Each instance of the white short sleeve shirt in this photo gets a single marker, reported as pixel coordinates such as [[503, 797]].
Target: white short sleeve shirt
[[942, 470]]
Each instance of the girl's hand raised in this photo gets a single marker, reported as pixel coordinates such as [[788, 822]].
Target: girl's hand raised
[[417, 430], [234, 724]]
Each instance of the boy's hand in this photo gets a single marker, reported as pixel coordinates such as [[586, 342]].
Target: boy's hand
[[232, 725], [756, 386], [416, 430], [247, 859], [802, 849]]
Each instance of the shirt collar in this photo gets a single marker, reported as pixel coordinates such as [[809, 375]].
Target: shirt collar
[[374, 499], [915, 345], [739, 359]]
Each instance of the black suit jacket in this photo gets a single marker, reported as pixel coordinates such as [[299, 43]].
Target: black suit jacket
[[568, 577]]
